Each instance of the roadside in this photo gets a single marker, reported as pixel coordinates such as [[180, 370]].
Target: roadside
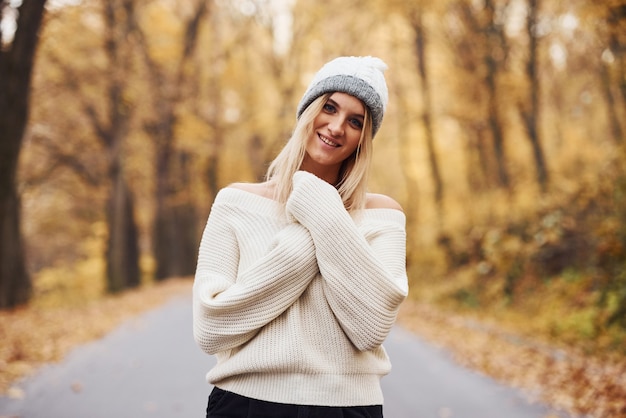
[[566, 379], [35, 336]]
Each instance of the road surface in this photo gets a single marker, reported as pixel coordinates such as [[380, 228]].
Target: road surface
[[150, 367]]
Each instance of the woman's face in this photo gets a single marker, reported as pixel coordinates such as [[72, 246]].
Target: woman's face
[[336, 134]]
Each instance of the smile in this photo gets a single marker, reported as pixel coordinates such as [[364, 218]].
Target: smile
[[327, 141]]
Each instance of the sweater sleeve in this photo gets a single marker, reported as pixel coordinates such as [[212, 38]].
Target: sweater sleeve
[[365, 280], [230, 306]]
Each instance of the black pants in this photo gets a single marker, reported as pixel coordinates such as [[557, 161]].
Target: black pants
[[223, 404]]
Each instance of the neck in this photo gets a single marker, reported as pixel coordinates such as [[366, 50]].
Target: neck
[[328, 174]]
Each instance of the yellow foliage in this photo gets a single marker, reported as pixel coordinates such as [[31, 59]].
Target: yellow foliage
[[191, 131], [78, 284], [70, 286], [164, 42]]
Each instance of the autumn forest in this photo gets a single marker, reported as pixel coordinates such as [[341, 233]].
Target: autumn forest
[[504, 141]]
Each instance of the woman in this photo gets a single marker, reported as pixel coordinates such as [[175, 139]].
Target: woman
[[300, 278]]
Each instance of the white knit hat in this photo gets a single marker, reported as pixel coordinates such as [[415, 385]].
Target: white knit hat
[[361, 77]]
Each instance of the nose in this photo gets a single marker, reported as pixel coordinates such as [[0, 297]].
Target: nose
[[335, 126]]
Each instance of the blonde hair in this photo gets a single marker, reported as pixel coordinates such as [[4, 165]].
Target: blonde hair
[[353, 175]]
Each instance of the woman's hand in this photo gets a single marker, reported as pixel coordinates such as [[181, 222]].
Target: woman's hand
[[311, 197]]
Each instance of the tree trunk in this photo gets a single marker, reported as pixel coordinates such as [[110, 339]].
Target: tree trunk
[[492, 63], [122, 252], [614, 74], [16, 66], [410, 176], [495, 125], [175, 224], [411, 205], [15, 283], [611, 108], [161, 236], [175, 242], [616, 19], [477, 156], [531, 116], [420, 48], [122, 255]]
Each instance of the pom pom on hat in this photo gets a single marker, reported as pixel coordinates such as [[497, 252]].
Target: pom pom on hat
[[361, 77]]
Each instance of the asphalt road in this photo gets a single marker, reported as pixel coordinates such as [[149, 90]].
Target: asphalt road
[[150, 367]]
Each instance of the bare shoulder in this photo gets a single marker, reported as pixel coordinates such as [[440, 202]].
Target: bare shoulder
[[264, 189], [381, 201]]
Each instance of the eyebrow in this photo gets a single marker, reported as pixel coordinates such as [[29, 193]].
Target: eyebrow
[[331, 101]]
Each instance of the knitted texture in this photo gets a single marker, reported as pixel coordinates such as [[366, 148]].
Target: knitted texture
[[361, 77], [296, 311]]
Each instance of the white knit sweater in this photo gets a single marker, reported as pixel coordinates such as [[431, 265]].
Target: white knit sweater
[[296, 307]]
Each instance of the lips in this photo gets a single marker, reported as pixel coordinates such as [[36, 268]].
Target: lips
[[328, 141]]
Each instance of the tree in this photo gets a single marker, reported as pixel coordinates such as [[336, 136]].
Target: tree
[[417, 23], [16, 67], [613, 70], [530, 110], [174, 230], [100, 99], [122, 249], [494, 56], [466, 50], [480, 49]]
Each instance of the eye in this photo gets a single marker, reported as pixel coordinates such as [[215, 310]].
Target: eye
[[356, 123], [329, 108]]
